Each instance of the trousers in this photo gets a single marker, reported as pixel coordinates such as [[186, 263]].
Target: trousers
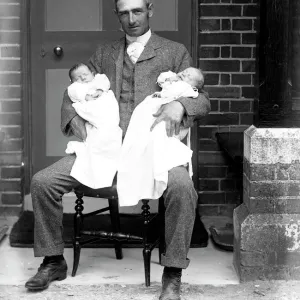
[[50, 184]]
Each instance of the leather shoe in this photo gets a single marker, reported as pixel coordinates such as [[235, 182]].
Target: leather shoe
[[48, 271], [171, 281]]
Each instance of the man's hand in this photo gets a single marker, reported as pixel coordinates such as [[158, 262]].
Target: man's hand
[[172, 113], [77, 125]]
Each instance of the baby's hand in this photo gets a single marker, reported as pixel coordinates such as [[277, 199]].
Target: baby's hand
[[94, 95]]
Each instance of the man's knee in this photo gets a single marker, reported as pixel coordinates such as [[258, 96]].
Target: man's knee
[[181, 187]]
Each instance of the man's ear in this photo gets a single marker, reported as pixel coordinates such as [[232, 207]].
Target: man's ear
[[150, 10]]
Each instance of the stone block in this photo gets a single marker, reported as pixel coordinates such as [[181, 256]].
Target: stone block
[[266, 246]]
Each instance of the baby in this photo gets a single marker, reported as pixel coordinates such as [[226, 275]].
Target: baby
[[147, 156], [86, 86], [96, 157]]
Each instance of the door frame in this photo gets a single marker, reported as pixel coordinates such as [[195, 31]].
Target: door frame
[[26, 88]]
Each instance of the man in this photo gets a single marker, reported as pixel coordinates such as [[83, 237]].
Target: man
[[132, 74]]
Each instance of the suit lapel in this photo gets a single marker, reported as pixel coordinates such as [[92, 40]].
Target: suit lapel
[[118, 57], [150, 48]]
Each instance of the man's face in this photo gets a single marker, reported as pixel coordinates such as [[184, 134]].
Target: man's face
[[134, 16]]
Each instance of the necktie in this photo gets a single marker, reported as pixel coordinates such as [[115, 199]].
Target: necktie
[[134, 51]]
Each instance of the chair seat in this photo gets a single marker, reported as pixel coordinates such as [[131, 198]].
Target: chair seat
[[107, 192]]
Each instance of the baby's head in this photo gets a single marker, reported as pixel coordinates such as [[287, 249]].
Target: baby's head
[[81, 73], [192, 76]]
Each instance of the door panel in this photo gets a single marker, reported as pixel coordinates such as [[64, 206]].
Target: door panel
[[79, 27]]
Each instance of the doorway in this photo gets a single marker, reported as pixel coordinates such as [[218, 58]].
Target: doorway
[[78, 28]]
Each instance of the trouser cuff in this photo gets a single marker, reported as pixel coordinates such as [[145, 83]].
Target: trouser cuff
[[175, 263], [49, 251]]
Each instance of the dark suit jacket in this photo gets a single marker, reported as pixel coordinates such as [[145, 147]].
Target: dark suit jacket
[[159, 55]]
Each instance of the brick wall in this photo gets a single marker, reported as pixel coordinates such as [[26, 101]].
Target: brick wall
[[227, 38], [11, 154]]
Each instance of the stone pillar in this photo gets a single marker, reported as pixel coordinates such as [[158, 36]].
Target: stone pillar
[[267, 223]]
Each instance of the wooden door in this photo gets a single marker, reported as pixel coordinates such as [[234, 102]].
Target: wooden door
[[78, 27]]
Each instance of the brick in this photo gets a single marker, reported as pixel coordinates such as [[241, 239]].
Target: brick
[[250, 11], [10, 1], [249, 38], [241, 79], [220, 10], [242, 24], [212, 171], [226, 24], [10, 51], [209, 24], [208, 145], [223, 38], [241, 52], [223, 92], [10, 185], [10, 119], [220, 65], [11, 159], [11, 198], [209, 52], [12, 132], [212, 158], [249, 92], [224, 106], [11, 145], [11, 106], [211, 79], [212, 198], [207, 132], [227, 185], [232, 197], [246, 118], [214, 105], [208, 210], [7, 92], [241, 1], [10, 65], [10, 79], [255, 25], [208, 185], [240, 106], [10, 37], [225, 1], [248, 66], [223, 119], [225, 52], [210, 1], [225, 79], [10, 24], [9, 10], [11, 172]]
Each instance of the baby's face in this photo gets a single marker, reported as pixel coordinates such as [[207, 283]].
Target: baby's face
[[82, 75], [189, 75]]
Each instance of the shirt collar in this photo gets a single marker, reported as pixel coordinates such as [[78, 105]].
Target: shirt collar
[[143, 39]]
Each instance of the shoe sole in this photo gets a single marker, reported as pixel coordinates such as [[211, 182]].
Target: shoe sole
[[59, 278]]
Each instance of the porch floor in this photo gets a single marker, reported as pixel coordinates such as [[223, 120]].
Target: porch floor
[[208, 265]]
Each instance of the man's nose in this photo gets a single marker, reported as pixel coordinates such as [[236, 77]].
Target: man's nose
[[131, 18]]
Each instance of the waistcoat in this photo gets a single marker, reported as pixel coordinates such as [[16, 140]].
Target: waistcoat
[[126, 103]]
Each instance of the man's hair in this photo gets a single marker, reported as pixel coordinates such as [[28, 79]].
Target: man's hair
[[148, 2], [77, 66]]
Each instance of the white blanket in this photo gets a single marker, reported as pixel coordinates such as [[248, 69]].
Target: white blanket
[[146, 157], [97, 158]]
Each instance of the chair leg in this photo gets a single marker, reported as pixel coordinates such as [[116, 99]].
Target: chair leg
[[78, 223], [115, 222], [161, 212], [147, 250]]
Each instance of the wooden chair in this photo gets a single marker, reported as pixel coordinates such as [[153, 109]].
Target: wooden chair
[[115, 234]]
